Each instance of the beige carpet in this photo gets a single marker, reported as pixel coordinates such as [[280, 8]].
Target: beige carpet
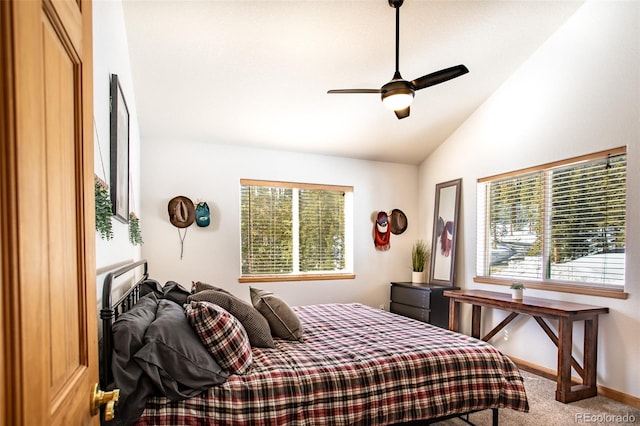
[[544, 410]]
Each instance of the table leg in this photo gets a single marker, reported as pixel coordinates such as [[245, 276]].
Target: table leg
[[454, 315], [475, 321], [590, 352], [565, 343]]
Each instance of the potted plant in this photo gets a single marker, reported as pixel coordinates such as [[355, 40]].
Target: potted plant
[[516, 290], [419, 255]]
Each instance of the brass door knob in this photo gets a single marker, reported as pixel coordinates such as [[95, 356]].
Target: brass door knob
[[99, 398], [110, 411]]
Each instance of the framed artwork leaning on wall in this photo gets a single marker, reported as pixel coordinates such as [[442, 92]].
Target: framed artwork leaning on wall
[[445, 227]]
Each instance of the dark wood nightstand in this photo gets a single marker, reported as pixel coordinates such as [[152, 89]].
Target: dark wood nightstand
[[424, 302]]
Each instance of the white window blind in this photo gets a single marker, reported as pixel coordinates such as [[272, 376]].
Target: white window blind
[[289, 228], [322, 230], [562, 223], [266, 230]]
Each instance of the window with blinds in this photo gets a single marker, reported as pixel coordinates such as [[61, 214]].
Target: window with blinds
[[562, 223], [291, 229]]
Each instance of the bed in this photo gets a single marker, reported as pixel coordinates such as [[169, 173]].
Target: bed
[[355, 365]]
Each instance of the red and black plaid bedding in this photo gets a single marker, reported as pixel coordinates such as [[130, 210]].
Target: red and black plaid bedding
[[356, 366]]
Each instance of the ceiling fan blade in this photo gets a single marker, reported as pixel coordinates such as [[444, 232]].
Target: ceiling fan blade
[[439, 76], [354, 91], [402, 113]]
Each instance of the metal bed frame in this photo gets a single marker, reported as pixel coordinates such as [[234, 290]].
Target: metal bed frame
[[110, 312]]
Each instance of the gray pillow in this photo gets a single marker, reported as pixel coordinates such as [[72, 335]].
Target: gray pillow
[[200, 286], [171, 290], [151, 286], [174, 358], [175, 292], [284, 323], [254, 323]]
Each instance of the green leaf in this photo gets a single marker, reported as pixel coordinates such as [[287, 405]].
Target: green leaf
[[103, 210]]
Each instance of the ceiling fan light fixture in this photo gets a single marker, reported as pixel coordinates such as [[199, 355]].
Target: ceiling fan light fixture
[[397, 94], [397, 101]]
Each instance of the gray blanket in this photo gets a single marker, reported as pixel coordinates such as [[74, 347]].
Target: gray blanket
[[156, 352]]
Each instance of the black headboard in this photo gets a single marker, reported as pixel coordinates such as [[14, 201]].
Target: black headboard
[[109, 313]]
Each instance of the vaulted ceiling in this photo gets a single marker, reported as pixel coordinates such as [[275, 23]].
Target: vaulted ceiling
[[256, 73]]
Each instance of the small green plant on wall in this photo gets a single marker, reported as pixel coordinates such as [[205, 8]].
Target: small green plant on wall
[[135, 236], [103, 210]]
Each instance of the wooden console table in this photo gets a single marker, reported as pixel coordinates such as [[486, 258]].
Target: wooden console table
[[565, 312]]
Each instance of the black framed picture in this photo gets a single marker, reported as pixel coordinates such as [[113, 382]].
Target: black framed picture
[[119, 152]]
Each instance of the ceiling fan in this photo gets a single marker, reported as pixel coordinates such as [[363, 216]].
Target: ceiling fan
[[398, 93]]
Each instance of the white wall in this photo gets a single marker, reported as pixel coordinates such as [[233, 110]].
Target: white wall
[[111, 56], [578, 94], [212, 172]]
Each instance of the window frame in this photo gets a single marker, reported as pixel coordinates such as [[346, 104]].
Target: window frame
[[306, 276], [546, 284]]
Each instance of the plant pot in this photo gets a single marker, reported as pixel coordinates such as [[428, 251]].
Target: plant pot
[[516, 293], [417, 277]]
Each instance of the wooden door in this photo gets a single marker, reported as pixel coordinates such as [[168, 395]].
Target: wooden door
[[48, 320]]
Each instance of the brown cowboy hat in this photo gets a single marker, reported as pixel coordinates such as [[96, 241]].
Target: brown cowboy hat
[[398, 221], [182, 212]]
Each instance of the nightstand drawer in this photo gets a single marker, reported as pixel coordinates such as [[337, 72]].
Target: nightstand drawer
[[410, 311], [411, 296]]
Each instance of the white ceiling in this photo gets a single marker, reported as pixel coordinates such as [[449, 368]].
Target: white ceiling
[[256, 73]]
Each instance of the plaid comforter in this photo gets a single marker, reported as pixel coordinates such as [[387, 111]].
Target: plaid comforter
[[356, 366]]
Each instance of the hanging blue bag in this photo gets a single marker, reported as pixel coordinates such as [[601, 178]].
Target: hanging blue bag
[[203, 216]]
